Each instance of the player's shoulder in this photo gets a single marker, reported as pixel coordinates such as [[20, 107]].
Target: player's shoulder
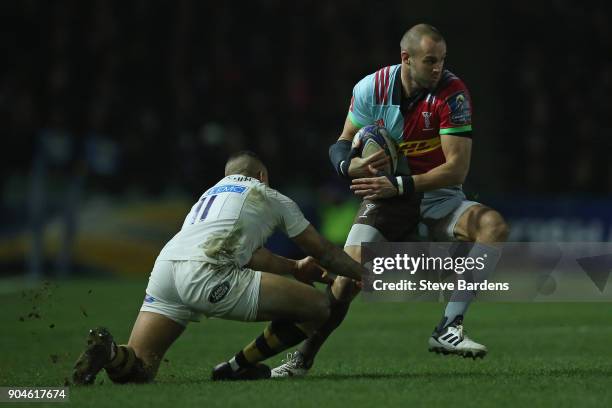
[[282, 205], [378, 77], [273, 194], [378, 83], [449, 85]]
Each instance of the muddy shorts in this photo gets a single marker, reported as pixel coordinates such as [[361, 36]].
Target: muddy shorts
[[185, 290]]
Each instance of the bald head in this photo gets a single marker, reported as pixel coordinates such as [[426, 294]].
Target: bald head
[[411, 41], [246, 163]]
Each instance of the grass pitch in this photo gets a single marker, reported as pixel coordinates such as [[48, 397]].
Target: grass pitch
[[540, 354]]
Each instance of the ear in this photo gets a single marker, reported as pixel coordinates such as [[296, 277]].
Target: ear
[[405, 56], [262, 176]]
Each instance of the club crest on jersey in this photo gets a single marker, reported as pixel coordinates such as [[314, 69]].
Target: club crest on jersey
[[460, 109], [427, 119], [380, 122]]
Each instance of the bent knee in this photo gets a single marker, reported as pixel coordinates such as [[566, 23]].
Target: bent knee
[[493, 228], [345, 289]]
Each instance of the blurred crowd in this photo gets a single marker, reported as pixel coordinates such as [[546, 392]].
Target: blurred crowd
[[149, 97], [151, 94], [558, 98]]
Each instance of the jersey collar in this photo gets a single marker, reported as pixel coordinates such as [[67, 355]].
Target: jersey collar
[[397, 97]]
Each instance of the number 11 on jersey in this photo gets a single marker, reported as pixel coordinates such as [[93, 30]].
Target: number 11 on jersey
[[200, 214]]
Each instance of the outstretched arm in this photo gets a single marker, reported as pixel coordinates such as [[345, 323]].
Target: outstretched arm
[[264, 260], [329, 256], [305, 270]]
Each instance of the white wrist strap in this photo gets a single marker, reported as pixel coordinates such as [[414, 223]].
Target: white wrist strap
[[400, 185]]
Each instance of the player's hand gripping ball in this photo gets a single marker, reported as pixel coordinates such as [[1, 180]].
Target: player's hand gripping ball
[[373, 138]]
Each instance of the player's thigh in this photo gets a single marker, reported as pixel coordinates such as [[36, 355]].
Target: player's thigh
[[152, 335], [282, 298], [392, 219], [474, 220]]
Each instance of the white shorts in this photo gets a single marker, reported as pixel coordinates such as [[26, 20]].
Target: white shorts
[[443, 230], [184, 290]]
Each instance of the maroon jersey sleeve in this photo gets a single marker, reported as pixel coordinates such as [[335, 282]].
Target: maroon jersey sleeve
[[455, 109]]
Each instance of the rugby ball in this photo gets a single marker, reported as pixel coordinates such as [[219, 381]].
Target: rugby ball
[[373, 139]]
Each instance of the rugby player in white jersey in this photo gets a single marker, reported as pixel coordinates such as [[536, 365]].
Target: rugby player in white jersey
[[216, 266]]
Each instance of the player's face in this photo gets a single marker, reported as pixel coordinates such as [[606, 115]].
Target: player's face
[[427, 65]]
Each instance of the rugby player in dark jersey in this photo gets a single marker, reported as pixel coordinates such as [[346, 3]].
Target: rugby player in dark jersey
[[427, 111]]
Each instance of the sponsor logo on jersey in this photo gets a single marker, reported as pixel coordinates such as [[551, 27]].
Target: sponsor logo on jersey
[[369, 207], [149, 299], [460, 109], [419, 147], [241, 178], [219, 292], [226, 188], [427, 119]]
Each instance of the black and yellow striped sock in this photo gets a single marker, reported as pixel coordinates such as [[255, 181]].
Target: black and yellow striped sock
[[278, 336], [127, 367]]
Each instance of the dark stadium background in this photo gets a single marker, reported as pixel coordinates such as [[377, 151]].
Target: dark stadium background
[[116, 115]]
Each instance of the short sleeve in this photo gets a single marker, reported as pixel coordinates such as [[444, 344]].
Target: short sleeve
[[360, 110], [456, 113], [291, 219]]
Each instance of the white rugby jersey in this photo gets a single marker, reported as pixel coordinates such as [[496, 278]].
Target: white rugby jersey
[[231, 220]]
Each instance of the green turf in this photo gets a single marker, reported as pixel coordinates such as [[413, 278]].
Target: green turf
[[540, 354]]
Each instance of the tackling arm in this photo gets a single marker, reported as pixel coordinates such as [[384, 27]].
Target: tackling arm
[[305, 270], [329, 256], [264, 260]]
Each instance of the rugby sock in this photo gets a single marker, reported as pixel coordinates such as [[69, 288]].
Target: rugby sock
[[460, 300], [278, 336], [125, 366], [312, 345]]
